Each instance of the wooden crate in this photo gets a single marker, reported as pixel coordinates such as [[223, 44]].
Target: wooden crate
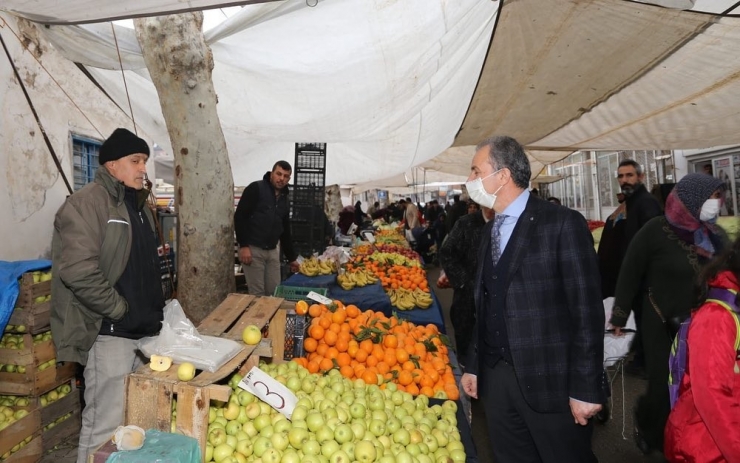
[[54, 436], [30, 453], [33, 382], [35, 317], [29, 291], [149, 394], [29, 425]]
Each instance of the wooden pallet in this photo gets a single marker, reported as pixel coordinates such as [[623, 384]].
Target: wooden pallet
[[33, 382], [149, 394]]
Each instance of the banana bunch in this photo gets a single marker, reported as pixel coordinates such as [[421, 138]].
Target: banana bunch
[[358, 278], [314, 266], [405, 299]]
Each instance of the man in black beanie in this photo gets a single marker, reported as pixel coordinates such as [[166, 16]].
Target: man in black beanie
[[106, 285]]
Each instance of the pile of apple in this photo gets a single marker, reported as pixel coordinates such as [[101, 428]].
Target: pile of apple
[[336, 420], [12, 341], [15, 328], [9, 416], [45, 399]]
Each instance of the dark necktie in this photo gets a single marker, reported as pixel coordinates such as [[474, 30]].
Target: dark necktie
[[498, 220]]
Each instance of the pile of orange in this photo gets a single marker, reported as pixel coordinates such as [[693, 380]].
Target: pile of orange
[[400, 276], [379, 350]]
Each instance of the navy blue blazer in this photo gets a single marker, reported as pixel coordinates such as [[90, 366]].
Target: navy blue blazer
[[554, 313]]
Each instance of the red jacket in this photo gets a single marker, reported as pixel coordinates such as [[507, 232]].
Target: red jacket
[[704, 425]]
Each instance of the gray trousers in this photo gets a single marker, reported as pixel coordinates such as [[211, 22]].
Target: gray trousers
[[263, 274], [108, 362]]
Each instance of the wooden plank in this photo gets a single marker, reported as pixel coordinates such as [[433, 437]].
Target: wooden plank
[[193, 404], [148, 403], [30, 453], [259, 314], [224, 315], [23, 356], [251, 362], [29, 425], [277, 335]]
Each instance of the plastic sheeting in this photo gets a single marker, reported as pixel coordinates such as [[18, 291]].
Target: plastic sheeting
[[388, 83], [385, 83]]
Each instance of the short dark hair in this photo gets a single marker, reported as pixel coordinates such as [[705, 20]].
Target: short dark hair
[[285, 165], [506, 152], [456, 198], [633, 163], [408, 200]]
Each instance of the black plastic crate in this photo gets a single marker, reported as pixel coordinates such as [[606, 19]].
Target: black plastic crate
[[306, 231], [296, 330], [312, 179], [307, 196]]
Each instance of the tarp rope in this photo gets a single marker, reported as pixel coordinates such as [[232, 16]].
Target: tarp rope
[[36, 116], [123, 75]]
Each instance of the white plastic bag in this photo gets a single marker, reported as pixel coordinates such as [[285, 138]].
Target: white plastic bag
[[180, 340]]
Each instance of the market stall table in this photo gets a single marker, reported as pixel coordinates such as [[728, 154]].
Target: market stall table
[[370, 297]]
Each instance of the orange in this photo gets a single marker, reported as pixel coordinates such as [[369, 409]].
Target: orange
[[369, 377], [325, 322], [339, 316], [405, 378], [361, 356], [341, 345], [343, 359], [330, 338], [326, 364], [314, 310], [301, 307], [390, 341], [316, 332], [347, 371], [352, 311], [310, 344], [312, 367], [322, 348]]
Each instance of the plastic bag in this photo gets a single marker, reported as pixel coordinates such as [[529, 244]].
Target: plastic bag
[[161, 447], [180, 340]]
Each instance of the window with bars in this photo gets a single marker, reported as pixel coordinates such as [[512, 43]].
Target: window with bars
[[85, 153]]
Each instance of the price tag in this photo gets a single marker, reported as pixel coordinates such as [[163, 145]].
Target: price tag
[[314, 296], [274, 394], [369, 236]]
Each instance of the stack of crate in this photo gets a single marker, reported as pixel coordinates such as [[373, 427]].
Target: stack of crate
[[29, 369], [307, 198]]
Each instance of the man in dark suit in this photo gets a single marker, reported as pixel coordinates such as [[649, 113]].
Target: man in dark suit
[[536, 359]]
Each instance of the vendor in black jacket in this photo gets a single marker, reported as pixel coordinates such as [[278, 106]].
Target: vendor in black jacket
[[261, 220]]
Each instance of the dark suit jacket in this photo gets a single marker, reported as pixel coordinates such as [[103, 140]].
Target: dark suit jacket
[[554, 312]]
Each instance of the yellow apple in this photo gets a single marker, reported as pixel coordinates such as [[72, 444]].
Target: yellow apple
[[251, 335], [160, 363], [186, 371]]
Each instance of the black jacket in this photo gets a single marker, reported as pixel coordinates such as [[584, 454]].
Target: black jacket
[[641, 207], [262, 218]]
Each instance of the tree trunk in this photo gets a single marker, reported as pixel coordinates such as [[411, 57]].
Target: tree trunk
[[180, 65]]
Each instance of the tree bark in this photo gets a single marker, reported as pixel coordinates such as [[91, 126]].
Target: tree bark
[[180, 65]]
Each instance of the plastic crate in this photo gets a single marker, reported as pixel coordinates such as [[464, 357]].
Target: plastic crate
[[296, 293], [312, 179], [310, 156], [296, 330], [307, 196]]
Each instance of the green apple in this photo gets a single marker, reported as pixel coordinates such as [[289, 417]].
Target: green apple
[[216, 437], [261, 444], [244, 447], [186, 372], [245, 397], [271, 455], [251, 335], [221, 452], [343, 433], [365, 452], [329, 447], [232, 427], [297, 437], [253, 410], [232, 410], [311, 447], [340, 456]]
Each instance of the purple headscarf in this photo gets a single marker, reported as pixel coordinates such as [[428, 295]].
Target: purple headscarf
[[683, 207]]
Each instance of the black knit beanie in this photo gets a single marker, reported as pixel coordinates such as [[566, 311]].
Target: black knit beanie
[[121, 143]]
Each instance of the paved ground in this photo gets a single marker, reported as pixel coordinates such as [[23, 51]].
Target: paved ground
[[612, 440]]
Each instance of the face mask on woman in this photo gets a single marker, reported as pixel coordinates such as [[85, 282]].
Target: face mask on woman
[[710, 210], [478, 192]]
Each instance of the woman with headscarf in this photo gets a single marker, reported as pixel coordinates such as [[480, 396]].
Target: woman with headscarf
[[659, 270]]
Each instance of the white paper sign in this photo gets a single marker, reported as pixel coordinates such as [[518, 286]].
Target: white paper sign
[[274, 394], [314, 296]]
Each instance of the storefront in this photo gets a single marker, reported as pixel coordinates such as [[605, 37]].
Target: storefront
[[587, 180], [724, 164]]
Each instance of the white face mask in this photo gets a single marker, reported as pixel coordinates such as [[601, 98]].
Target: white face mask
[[710, 210], [478, 192]]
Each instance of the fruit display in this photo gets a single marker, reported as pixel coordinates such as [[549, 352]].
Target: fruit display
[[390, 236], [335, 420], [379, 350], [314, 266]]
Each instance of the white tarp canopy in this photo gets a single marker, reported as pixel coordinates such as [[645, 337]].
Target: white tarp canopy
[[391, 84]]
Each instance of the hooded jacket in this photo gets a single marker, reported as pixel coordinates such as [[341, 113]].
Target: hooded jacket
[[91, 245]]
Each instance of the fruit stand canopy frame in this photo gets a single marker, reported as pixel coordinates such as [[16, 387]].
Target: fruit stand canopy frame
[[410, 79]]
